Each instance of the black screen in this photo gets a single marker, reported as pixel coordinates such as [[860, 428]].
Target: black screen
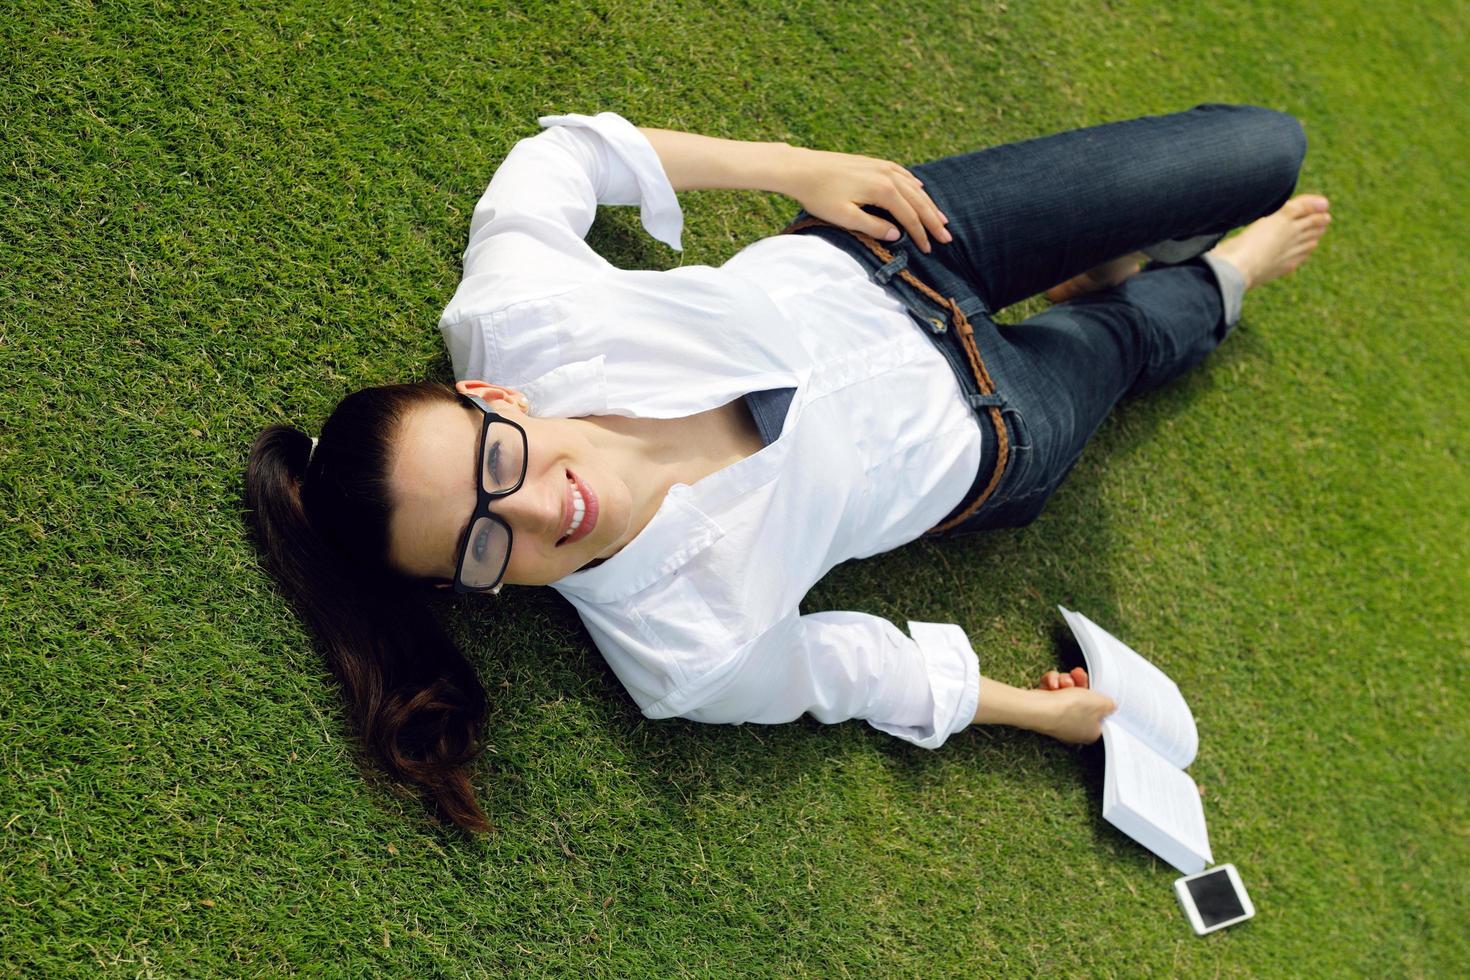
[[1214, 896]]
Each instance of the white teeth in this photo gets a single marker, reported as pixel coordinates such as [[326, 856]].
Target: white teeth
[[579, 508]]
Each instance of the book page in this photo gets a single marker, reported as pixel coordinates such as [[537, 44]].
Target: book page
[[1152, 801], [1149, 703]]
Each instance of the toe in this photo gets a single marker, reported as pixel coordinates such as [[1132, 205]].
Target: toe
[[1064, 291], [1304, 204]]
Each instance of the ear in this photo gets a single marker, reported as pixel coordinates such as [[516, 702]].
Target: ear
[[493, 393]]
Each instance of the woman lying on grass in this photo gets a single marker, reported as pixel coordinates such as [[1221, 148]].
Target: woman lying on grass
[[683, 454]]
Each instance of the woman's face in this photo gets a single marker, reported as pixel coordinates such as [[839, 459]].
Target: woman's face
[[432, 481]]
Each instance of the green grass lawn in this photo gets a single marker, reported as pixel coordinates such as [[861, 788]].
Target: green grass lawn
[[214, 217]]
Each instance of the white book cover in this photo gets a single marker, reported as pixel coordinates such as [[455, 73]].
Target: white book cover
[[1149, 741]]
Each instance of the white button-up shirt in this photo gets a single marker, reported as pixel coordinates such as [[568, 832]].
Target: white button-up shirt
[[699, 614]]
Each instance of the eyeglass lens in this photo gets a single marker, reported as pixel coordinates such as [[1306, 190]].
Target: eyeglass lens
[[503, 457], [502, 466], [485, 554]]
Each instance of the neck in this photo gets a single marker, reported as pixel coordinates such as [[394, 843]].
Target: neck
[[646, 453], [652, 455]]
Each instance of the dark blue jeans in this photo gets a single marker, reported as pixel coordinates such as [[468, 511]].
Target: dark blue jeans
[[1026, 216]]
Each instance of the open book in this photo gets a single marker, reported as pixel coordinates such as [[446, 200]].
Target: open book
[[1149, 741]]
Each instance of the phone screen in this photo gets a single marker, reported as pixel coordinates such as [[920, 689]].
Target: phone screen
[[1214, 896]]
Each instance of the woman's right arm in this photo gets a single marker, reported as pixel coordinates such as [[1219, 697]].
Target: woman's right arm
[[1071, 715], [840, 665]]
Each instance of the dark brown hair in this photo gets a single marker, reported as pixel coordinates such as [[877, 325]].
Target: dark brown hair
[[322, 526]]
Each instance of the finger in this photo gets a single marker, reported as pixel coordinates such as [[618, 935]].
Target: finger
[[940, 217], [924, 196], [924, 214], [1066, 680], [1049, 680], [907, 216], [1079, 676], [910, 175], [933, 220]]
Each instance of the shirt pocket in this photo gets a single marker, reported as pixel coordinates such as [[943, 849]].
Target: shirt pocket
[[522, 341], [679, 623]]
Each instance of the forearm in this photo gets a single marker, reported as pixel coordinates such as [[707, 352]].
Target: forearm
[[695, 162], [1001, 704]]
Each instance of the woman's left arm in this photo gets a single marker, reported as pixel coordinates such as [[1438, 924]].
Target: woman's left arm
[[831, 186]]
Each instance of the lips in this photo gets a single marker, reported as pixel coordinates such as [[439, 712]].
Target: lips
[[569, 510]]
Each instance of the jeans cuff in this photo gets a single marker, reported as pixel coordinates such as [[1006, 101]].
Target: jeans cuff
[[1180, 250], [1232, 286]]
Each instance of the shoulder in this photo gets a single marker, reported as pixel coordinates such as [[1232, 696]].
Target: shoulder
[[671, 646], [509, 335]]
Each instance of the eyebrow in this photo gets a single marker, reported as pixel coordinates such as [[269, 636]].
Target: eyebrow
[[464, 529], [456, 550]]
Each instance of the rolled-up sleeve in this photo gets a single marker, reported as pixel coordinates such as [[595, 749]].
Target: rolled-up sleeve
[[544, 196], [836, 666]]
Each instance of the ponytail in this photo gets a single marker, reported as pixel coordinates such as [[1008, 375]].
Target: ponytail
[[321, 521]]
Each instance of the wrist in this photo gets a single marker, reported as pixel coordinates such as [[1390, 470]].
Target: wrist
[[786, 168], [1002, 704]]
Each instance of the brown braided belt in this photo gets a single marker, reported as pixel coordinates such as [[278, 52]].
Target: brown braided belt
[[972, 352]]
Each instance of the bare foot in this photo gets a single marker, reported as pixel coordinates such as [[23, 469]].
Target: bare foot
[[1275, 245], [1101, 277]]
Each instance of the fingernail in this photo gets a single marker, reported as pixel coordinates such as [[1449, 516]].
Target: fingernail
[[892, 235]]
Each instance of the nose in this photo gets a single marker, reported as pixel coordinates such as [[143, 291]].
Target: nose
[[535, 509]]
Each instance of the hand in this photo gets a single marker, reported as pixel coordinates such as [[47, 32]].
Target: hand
[[1076, 712], [834, 186]]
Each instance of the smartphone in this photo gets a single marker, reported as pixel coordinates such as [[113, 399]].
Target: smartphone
[[1214, 898]]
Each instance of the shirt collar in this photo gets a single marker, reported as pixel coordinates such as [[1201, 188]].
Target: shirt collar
[[678, 531], [682, 527], [571, 390]]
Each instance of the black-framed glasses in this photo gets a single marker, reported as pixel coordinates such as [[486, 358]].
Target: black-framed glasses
[[500, 469]]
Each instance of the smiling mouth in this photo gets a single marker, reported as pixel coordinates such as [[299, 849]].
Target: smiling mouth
[[580, 511]]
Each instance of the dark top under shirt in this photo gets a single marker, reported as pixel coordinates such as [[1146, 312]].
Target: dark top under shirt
[[768, 408]]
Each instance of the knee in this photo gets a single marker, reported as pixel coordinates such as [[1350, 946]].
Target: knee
[[1274, 142], [1283, 143]]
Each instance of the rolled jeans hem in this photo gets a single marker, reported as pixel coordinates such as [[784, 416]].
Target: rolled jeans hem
[[1232, 287], [1230, 279]]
